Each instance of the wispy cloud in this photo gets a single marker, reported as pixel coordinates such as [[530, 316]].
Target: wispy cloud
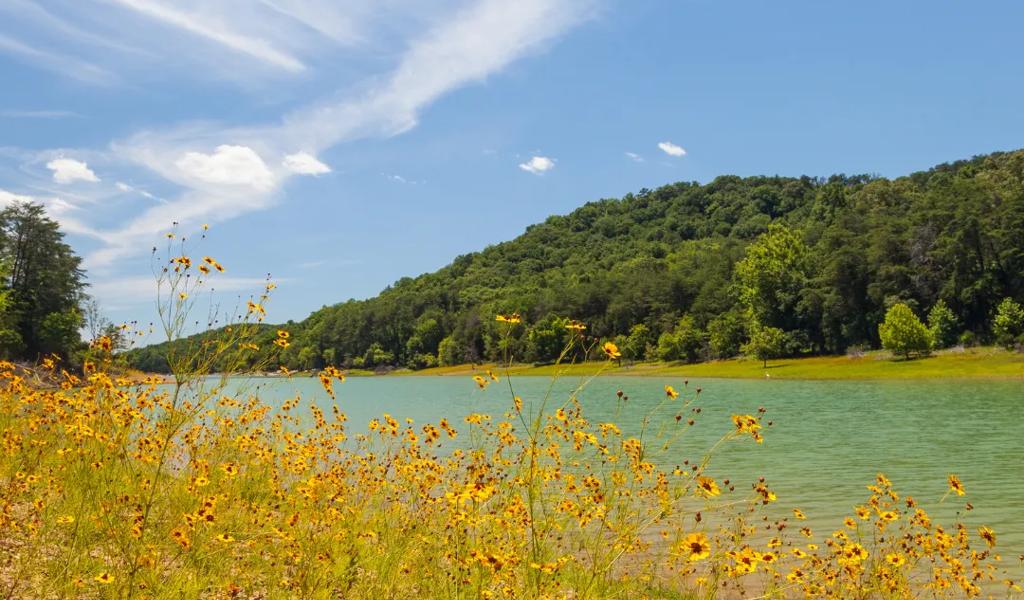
[[211, 172], [38, 114], [58, 63], [216, 31], [633, 156]]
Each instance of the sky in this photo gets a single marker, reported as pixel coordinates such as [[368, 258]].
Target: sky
[[340, 146]]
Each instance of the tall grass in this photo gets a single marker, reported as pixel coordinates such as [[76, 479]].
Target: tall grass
[[117, 489]]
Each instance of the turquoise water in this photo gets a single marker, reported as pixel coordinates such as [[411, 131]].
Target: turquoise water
[[828, 441]]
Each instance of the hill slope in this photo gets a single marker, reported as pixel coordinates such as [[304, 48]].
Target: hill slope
[[665, 260]]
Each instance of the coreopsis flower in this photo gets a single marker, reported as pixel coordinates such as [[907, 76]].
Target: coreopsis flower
[[611, 350], [671, 392], [988, 535], [799, 514], [895, 559], [955, 485], [695, 547], [510, 318], [104, 578], [707, 487], [481, 382], [575, 326], [748, 424]]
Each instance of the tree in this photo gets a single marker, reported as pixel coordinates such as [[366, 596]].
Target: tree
[[685, 342], [44, 282], [726, 333], [1008, 324], [765, 343], [771, 276], [902, 333], [635, 345], [547, 339], [449, 353], [943, 324]]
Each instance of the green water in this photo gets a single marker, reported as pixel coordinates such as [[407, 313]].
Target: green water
[[828, 441]]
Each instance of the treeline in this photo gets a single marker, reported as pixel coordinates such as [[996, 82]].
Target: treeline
[[691, 272]]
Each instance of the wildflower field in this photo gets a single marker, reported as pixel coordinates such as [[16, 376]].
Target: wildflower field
[[114, 488]]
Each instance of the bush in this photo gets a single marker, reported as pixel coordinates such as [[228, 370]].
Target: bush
[[943, 325], [902, 333], [1008, 324]]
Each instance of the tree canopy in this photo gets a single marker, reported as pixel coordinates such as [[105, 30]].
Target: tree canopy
[[819, 259]]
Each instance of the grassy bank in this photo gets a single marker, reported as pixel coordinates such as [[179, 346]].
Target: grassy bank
[[972, 363]]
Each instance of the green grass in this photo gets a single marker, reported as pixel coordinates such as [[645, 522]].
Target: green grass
[[971, 363]]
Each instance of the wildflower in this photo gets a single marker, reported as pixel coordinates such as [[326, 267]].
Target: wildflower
[[890, 515], [611, 350], [575, 326], [65, 519], [863, 512], [988, 535], [205, 270], [282, 342], [281, 333], [895, 559], [695, 547], [707, 487], [955, 485], [491, 375], [748, 424], [671, 392], [225, 538], [799, 514], [481, 382], [510, 318], [182, 296], [104, 578]]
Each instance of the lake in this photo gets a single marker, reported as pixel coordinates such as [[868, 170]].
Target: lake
[[828, 441]]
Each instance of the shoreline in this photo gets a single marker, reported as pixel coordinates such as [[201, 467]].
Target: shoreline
[[984, 363]]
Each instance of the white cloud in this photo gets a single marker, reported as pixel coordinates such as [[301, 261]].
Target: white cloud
[[538, 165], [124, 187], [250, 164], [303, 163], [134, 290], [69, 170], [635, 157], [56, 208], [63, 64], [671, 149], [228, 165], [253, 46], [37, 114]]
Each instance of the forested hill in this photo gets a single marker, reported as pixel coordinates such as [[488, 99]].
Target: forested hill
[[664, 271]]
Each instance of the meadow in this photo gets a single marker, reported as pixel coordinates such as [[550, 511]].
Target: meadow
[[201, 488]]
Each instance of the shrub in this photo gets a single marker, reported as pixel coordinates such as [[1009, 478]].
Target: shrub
[[1008, 324], [902, 333], [943, 325]]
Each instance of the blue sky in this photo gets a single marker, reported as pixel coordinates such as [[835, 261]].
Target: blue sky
[[340, 146]]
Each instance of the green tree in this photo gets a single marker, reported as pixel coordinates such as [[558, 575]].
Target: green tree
[[634, 347], [902, 333], [449, 352], [44, 282], [546, 339], [726, 333], [943, 324], [1008, 324], [771, 276], [765, 343], [685, 342]]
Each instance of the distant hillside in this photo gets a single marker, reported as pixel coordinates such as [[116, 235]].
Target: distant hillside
[[664, 262]]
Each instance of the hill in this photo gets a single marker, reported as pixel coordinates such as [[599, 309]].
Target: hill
[[664, 272]]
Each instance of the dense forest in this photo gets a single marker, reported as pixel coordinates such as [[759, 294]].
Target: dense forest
[[692, 272]]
